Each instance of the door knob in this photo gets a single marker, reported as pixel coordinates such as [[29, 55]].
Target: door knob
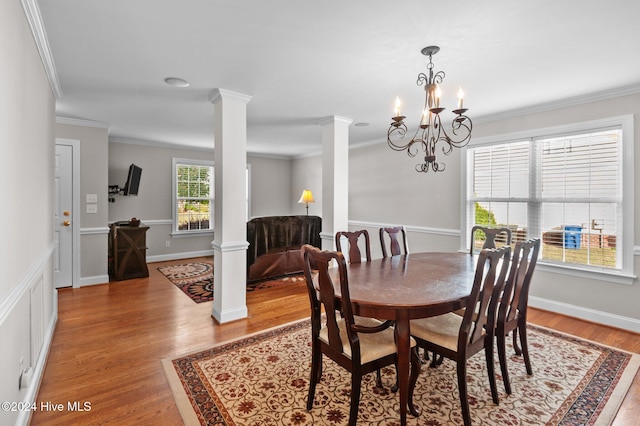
[[66, 223], [67, 213]]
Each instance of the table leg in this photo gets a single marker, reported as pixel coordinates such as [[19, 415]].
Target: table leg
[[403, 342]]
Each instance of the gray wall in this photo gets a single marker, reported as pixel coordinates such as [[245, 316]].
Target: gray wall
[[384, 189], [27, 299], [93, 139], [306, 173], [270, 187], [270, 192]]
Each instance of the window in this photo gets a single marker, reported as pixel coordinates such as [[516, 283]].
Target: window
[[193, 196], [565, 186]]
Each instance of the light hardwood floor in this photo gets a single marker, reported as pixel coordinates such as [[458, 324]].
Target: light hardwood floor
[[110, 339]]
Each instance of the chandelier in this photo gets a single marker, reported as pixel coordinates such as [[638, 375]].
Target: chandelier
[[431, 132]]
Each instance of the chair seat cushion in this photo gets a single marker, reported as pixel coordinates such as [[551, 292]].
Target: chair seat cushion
[[441, 330], [372, 345]]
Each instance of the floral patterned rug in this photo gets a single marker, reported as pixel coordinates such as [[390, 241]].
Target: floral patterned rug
[[195, 279], [263, 380]]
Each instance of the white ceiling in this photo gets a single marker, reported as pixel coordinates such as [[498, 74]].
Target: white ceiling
[[304, 60]]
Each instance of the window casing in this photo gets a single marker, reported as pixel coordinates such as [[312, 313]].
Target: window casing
[[569, 186], [193, 196]]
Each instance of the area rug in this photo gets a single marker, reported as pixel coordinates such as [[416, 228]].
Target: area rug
[[195, 279], [263, 380]]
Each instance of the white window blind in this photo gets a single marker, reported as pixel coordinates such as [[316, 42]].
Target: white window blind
[[565, 190]]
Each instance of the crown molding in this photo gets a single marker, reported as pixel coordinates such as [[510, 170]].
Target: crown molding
[[170, 145], [332, 119], [82, 122], [159, 144], [32, 12], [562, 103], [218, 94]]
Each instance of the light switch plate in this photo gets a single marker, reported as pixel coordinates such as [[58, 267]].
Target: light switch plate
[[92, 198], [92, 208]]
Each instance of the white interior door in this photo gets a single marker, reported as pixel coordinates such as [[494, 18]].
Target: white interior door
[[63, 217]]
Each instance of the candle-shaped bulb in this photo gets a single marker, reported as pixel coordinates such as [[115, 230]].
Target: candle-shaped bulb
[[425, 120], [397, 110], [438, 95], [460, 97]]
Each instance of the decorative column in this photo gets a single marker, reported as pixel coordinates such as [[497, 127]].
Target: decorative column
[[335, 178], [230, 205]]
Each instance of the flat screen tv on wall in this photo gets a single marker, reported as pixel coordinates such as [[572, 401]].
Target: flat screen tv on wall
[[133, 180]]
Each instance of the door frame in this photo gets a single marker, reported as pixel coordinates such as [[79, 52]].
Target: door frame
[[75, 206]]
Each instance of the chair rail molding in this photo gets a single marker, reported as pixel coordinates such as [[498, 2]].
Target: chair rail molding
[[94, 231], [409, 228], [23, 286]]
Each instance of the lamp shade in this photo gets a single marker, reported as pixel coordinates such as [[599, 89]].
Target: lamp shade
[[306, 197]]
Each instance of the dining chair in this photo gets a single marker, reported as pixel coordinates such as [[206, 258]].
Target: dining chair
[[491, 235], [459, 337], [359, 345], [396, 234], [355, 254], [512, 312]]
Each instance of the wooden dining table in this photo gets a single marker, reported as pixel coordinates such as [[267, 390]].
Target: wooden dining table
[[406, 287]]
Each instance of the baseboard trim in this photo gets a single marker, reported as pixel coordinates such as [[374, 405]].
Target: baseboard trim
[[587, 314], [178, 256], [94, 280], [229, 314]]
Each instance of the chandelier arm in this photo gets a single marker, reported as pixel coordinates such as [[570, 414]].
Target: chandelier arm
[[422, 79], [414, 145], [401, 131], [396, 131], [461, 130], [460, 136], [438, 77], [447, 148]]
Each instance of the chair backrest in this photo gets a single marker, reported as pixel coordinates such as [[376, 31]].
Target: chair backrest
[[488, 283], [515, 297], [322, 295], [395, 234], [355, 255], [502, 235]]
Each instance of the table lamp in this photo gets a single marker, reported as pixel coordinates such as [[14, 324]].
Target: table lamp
[[306, 198]]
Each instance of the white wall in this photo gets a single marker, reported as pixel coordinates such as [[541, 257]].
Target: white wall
[[27, 299], [384, 189]]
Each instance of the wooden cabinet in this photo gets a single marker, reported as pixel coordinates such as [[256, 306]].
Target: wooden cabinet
[[127, 252]]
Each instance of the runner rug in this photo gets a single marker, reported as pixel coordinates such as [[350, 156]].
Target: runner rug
[[263, 380], [195, 279]]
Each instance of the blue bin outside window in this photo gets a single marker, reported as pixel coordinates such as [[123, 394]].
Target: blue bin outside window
[[572, 236]]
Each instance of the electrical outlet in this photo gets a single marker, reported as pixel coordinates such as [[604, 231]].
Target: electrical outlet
[[92, 198], [20, 372], [167, 244], [92, 208], [25, 378]]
